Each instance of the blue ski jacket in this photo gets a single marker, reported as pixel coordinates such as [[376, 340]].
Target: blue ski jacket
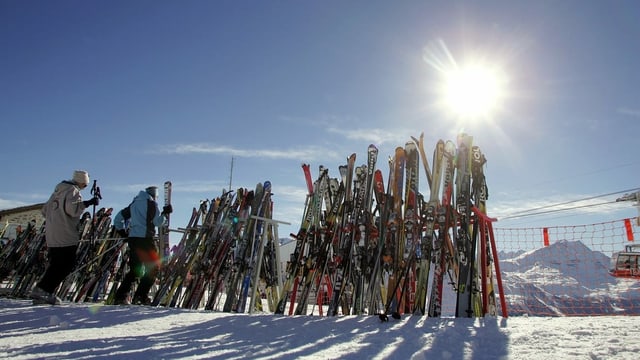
[[142, 216]]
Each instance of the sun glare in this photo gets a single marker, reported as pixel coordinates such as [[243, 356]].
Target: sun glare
[[473, 91]]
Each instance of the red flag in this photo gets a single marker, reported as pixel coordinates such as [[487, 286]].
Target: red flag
[[627, 226], [545, 234]]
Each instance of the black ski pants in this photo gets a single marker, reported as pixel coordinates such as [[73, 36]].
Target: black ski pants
[[144, 264], [61, 262]]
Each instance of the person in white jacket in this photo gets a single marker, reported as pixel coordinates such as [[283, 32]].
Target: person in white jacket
[[62, 215]]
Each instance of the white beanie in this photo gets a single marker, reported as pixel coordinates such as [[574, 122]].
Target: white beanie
[[81, 177]]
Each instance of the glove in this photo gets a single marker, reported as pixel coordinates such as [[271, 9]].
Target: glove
[[123, 233], [93, 201], [167, 210]]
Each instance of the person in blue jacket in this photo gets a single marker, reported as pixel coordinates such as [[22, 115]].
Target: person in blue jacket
[[137, 222]]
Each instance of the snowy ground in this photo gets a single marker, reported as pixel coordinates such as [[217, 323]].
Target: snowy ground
[[81, 331]]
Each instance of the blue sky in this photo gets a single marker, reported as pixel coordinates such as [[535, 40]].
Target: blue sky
[[139, 92]]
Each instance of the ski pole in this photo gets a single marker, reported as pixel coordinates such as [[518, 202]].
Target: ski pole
[[117, 244], [95, 191], [104, 239]]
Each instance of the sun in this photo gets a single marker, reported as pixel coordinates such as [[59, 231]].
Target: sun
[[473, 91]]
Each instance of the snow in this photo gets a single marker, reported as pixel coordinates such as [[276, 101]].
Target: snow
[[564, 278], [85, 331]]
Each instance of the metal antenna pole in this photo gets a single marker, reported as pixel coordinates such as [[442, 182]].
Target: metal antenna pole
[[231, 174]]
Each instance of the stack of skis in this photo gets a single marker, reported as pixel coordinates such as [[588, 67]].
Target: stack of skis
[[23, 260], [365, 245], [228, 246], [227, 256], [354, 255]]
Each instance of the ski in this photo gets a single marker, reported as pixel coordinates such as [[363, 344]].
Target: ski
[[394, 253], [343, 256], [463, 240], [411, 221], [442, 241], [432, 213], [296, 257], [163, 230], [423, 156]]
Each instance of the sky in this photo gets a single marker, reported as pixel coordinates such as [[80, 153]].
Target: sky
[[80, 331], [212, 93]]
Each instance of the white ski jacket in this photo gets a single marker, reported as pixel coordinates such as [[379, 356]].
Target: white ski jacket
[[62, 215]]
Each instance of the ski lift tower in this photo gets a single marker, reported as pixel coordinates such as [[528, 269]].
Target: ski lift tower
[[632, 197]]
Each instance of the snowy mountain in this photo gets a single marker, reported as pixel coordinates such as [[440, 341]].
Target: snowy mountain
[[566, 278]]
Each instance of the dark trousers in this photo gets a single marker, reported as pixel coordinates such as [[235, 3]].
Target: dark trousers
[[144, 264], [61, 262]]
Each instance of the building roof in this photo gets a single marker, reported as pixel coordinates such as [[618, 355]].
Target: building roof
[[20, 209]]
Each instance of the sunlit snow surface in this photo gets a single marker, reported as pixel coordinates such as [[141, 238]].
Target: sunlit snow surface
[[81, 331], [538, 280]]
